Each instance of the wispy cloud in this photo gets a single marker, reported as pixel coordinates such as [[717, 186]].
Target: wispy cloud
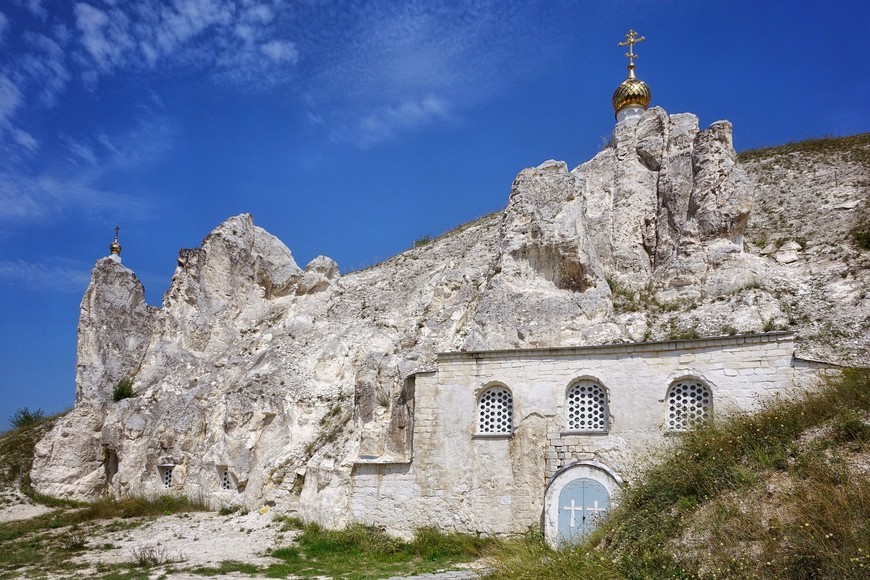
[[44, 67], [4, 23], [10, 100], [80, 151], [79, 184], [33, 6], [53, 274], [227, 37], [386, 122], [398, 68], [46, 195]]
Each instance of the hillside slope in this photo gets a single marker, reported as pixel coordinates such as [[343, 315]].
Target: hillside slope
[[781, 494]]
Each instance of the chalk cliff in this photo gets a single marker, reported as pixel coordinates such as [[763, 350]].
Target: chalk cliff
[[285, 376]]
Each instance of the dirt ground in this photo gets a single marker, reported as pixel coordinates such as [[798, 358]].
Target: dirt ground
[[185, 540], [182, 541]]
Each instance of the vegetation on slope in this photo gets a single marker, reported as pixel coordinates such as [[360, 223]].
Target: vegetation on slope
[[853, 147], [784, 493], [363, 552], [16, 445]]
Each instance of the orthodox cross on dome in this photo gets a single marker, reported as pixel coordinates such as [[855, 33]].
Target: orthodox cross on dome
[[630, 40], [115, 247]]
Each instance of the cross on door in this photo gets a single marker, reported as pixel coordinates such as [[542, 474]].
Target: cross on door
[[581, 503]]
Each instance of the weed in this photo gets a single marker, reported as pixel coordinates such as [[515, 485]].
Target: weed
[[225, 567], [383, 399], [289, 522], [861, 235], [123, 390], [229, 509], [24, 417], [73, 539], [422, 241], [729, 330], [150, 556]]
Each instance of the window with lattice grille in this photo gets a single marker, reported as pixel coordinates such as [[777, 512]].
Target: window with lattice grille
[[689, 402], [224, 474], [495, 411], [586, 407], [166, 474]]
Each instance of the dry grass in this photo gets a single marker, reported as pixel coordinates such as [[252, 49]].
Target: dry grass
[[780, 494]]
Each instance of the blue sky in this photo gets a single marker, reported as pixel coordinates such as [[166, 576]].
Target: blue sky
[[348, 129]]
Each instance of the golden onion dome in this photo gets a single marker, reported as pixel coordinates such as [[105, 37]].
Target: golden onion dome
[[631, 92], [115, 247]]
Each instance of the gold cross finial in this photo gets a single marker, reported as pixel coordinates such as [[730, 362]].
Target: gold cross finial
[[630, 40], [115, 247]]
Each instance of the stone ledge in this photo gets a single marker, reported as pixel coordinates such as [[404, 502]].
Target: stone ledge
[[629, 348]]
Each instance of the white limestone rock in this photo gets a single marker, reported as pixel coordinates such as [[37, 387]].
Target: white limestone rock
[[288, 376], [117, 325]]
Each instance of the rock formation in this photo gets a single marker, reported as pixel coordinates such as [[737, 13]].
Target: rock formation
[[284, 376]]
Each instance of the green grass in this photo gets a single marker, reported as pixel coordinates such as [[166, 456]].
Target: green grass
[[854, 147], [225, 567], [16, 447], [49, 541], [707, 509], [362, 552]]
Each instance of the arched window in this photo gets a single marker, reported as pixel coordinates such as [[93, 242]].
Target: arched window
[[687, 403], [495, 411], [586, 407]]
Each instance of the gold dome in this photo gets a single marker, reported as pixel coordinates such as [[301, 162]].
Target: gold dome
[[631, 91], [115, 247]]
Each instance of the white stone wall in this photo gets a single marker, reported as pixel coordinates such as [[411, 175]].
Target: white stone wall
[[457, 480]]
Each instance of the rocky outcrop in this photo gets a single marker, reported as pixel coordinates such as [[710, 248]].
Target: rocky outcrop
[[115, 328], [285, 377]]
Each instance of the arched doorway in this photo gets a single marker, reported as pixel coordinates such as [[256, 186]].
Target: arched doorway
[[577, 499]]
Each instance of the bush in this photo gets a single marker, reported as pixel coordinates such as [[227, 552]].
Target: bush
[[24, 417], [123, 390]]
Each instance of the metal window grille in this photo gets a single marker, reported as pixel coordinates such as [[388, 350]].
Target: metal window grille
[[495, 411], [586, 407], [688, 403]]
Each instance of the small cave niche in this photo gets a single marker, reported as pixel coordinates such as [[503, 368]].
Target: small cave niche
[[574, 276], [110, 464]]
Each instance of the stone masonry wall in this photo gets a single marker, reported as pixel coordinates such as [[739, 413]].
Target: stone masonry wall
[[458, 479]]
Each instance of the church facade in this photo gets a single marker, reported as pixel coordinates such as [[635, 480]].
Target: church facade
[[504, 438]]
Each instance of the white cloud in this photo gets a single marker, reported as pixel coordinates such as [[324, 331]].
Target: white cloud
[[25, 139], [10, 100], [398, 67], [4, 23], [229, 38], [45, 67], [80, 151], [280, 51], [77, 186], [33, 6], [48, 195], [386, 123], [54, 274], [104, 35]]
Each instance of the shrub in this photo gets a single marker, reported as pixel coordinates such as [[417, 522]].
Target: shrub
[[123, 390], [24, 417], [419, 242], [862, 238]]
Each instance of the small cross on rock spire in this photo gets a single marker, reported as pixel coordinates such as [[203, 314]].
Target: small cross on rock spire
[[115, 247]]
